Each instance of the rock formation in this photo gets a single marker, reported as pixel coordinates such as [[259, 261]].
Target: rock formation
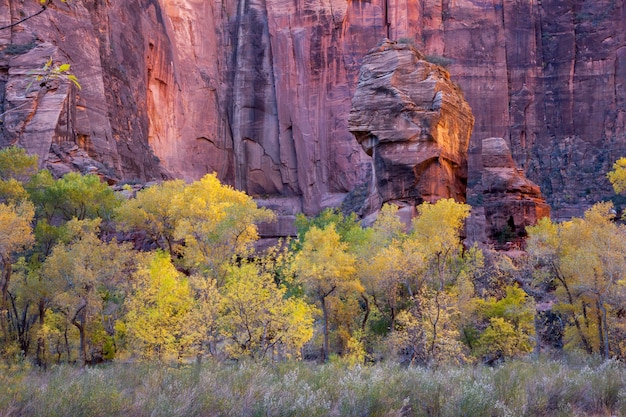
[[413, 121], [260, 91], [511, 201]]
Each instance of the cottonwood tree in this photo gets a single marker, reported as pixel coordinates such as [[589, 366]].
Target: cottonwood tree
[[16, 234], [157, 309], [586, 259], [91, 273], [325, 269], [201, 328], [437, 283], [436, 231], [384, 267], [382, 275], [350, 311], [153, 211], [216, 223], [618, 176], [258, 319]]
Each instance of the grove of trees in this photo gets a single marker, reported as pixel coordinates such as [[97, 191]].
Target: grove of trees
[[171, 274]]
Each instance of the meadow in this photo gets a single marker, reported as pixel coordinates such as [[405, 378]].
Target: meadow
[[574, 387]]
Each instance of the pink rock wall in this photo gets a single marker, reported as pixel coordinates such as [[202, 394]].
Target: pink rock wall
[[260, 90]]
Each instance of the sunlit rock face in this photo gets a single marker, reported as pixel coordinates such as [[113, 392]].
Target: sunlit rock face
[[511, 202], [260, 91], [415, 124], [107, 118]]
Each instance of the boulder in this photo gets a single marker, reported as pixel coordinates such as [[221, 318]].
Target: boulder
[[415, 124], [511, 201]]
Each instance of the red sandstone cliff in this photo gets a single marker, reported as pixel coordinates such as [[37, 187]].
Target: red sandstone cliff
[[415, 124], [260, 90]]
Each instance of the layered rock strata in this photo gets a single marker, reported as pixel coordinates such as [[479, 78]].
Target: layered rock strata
[[415, 124], [511, 201]]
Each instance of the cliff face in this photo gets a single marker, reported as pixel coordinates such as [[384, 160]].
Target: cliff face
[[260, 90]]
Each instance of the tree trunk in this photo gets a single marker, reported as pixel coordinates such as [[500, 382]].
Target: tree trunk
[[41, 341], [603, 331], [367, 312], [326, 344], [79, 321], [67, 344], [435, 323], [570, 299], [4, 306]]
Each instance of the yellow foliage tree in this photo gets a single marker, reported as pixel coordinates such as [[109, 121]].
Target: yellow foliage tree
[[200, 334], [386, 266], [325, 268], [90, 272], [154, 212], [217, 223], [436, 241], [587, 258], [258, 319], [15, 234], [428, 332], [618, 176], [157, 309]]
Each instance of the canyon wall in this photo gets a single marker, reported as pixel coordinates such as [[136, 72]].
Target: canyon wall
[[260, 91]]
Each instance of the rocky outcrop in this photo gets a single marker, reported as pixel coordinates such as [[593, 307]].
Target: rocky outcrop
[[260, 91], [107, 118], [510, 201], [413, 121]]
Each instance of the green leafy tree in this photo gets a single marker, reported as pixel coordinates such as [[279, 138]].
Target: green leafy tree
[[511, 325], [16, 168], [17, 164], [72, 196], [348, 227]]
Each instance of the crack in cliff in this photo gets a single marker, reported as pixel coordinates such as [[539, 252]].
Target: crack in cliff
[[509, 82], [234, 128], [386, 22], [273, 77]]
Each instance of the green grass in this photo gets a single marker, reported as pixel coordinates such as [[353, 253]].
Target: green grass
[[517, 388]]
